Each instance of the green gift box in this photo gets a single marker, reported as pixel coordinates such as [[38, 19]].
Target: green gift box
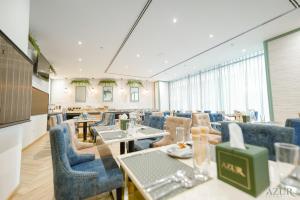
[[246, 170], [123, 124]]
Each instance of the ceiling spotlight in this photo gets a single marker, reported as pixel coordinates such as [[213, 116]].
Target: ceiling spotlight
[[174, 20], [79, 43], [166, 61], [79, 59], [210, 35], [138, 55], [244, 50]]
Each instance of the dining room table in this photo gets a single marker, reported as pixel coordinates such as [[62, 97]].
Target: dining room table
[[146, 167], [113, 134], [85, 122]]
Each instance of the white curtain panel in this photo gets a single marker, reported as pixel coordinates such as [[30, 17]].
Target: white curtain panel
[[235, 85]]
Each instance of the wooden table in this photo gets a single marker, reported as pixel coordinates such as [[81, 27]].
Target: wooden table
[[129, 139], [85, 122], [214, 189]]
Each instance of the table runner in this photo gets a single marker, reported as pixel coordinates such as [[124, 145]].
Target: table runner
[[149, 130], [112, 135], [146, 169]]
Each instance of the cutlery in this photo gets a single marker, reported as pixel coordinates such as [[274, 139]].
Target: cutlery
[[156, 184], [186, 182]]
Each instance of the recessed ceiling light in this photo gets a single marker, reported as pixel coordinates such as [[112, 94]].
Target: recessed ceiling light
[[210, 35], [80, 69], [244, 50], [126, 66], [101, 47], [138, 55], [79, 43], [174, 20], [166, 61], [79, 59]]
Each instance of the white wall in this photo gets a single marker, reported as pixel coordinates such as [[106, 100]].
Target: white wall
[[63, 93], [284, 64], [14, 22]]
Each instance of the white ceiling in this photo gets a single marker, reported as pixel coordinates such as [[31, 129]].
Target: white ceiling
[[59, 24]]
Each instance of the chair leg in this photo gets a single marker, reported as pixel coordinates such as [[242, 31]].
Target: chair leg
[[119, 193]]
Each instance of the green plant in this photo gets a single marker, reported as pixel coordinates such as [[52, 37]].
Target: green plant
[[34, 44], [108, 82], [81, 82], [135, 83]]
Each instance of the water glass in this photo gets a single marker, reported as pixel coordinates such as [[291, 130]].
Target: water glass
[[179, 135], [287, 158], [131, 128], [201, 153]]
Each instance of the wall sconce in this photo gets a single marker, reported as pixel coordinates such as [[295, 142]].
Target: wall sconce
[[66, 90]]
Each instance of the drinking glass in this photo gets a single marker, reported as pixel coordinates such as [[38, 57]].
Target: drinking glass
[[179, 135], [201, 153], [287, 158], [131, 128]]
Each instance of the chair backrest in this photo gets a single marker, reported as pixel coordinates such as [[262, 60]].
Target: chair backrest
[[294, 123], [173, 122], [261, 135], [185, 115], [146, 121], [60, 143], [109, 119], [159, 114], [52, 121], [216, 117], [166, 113], [157, 122], [59, 118], [201, 119]]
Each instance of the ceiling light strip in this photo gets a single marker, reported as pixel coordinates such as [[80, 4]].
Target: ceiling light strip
[[293, 3], [141, 77], [129, 34], [226, 41], [297, 4]]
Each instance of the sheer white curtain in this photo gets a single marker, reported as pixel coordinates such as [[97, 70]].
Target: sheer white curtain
[[235, 85]]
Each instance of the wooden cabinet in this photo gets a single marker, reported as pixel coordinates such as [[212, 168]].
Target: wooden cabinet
[[15, 83]]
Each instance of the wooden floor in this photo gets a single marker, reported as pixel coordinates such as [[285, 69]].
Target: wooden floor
[[37, 177]]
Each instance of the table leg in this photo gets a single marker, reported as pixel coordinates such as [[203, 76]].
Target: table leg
[[84, 130], [122, 148], [131, 146]]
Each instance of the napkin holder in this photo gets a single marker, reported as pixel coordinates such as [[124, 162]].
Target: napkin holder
[[123, 124], [246, 169]]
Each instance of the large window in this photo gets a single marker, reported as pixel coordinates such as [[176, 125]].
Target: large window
[[236, 85]]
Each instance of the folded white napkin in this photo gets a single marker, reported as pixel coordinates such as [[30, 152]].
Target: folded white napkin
[[236, 136]]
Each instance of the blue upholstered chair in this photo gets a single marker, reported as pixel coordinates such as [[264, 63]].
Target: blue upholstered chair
[[155, 122], [147, 118], [59, 118], [186, 115], [80, 176], [216, 117], [294, 123], [167, 113], [108, 119], [261, 135]]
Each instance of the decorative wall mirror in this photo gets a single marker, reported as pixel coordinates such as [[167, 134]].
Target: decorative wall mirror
[[80, 94], [134, 94], [107, 93]]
